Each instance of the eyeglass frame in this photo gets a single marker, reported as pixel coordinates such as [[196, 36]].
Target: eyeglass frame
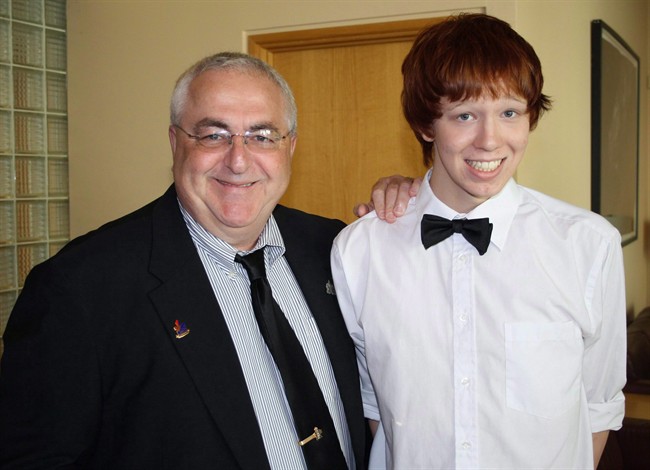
[[245, 136]]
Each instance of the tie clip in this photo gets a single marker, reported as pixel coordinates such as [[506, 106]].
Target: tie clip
[[318, 433]]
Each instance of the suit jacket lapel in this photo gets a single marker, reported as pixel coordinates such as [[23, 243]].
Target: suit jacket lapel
[[209, 355]]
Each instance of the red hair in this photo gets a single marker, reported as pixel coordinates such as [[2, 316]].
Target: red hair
[[466, 57]]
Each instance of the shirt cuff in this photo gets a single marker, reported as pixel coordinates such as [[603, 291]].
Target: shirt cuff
[[607, 416]]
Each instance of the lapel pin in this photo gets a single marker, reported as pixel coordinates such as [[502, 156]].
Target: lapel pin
[[329, 288], [181, 330]]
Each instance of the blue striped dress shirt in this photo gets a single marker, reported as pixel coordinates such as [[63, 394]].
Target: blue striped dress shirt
[[232, 289]]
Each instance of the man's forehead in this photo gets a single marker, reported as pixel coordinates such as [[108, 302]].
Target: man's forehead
[[235, 99], [232, 77], [235, 83]]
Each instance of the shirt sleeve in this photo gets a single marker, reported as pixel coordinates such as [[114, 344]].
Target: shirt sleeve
[[345, 296], [604, 364]]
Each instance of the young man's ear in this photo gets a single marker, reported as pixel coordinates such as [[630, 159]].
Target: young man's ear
[[426, 137]]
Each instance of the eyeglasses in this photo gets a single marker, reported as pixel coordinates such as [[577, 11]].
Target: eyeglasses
[[260, 140]]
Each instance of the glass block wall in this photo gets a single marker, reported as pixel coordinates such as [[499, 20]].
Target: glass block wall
[[33, 140]]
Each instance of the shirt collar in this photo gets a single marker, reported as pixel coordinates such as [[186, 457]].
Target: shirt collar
[[500, 209], [224, 253]]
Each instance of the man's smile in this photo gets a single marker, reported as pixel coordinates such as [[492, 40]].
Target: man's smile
[[485, 166]]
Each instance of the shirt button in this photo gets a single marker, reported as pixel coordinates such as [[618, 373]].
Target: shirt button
[[232, 275], [463, 318], [464, 381], [461, 258], [466, 445]]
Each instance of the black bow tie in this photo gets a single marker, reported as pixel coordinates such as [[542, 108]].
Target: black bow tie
[[476, 231]]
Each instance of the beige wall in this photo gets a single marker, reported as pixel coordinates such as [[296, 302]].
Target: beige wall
[[558, 157], [124, 57]]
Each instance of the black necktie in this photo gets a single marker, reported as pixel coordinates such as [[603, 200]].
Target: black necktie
[[311, 416], [476, 231]]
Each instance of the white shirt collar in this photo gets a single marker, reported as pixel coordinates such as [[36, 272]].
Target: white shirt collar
[[223, 252]]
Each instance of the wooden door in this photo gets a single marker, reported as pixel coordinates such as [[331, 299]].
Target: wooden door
[[347, 83]]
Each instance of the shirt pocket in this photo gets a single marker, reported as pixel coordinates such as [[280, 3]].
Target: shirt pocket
[[543, 367]]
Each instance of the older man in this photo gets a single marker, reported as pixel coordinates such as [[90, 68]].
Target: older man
[[138, 346]]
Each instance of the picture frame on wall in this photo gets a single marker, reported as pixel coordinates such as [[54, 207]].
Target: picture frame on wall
[[614, 130]]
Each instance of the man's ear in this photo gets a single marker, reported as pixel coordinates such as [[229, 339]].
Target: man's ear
[[172, 138], [427, 137], [427, 134], [294, 139]]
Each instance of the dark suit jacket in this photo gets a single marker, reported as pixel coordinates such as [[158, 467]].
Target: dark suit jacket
[[93, 375]]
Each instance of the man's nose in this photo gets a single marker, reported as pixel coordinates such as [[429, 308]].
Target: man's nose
[[237, 156], [489, 135]]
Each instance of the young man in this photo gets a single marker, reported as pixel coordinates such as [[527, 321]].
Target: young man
[[489, 320]]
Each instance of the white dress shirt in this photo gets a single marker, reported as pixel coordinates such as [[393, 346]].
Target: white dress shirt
[[232, 290], [510, 360]]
